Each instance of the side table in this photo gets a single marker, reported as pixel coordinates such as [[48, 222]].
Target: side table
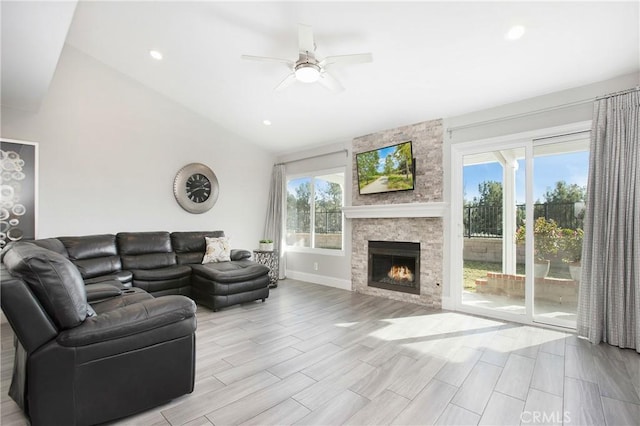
[[271, 260]]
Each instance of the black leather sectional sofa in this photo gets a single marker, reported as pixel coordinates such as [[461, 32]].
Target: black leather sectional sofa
[[103, 328], [164, 263]]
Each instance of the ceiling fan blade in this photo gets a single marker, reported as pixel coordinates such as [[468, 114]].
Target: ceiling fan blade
[[330, 82], [288, 81], [305, 38], [288, 62], [357, 58]]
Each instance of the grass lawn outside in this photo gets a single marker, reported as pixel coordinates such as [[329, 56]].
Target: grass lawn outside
[[474, 269]]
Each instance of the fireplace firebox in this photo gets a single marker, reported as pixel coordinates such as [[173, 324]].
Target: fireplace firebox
[[394, 265]]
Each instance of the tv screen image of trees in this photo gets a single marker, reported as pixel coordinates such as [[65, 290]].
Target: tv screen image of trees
[[385, 169]]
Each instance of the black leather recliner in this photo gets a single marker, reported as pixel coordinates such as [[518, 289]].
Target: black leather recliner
[[79, 362]]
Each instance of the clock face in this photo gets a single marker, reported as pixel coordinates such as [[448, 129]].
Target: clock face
[[198, 188]]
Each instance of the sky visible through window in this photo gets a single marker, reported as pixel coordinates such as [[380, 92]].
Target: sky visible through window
[[321, 185], [295, 183], [571, 168]]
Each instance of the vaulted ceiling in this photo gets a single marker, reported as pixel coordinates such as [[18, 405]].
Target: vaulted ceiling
[[430, 59]]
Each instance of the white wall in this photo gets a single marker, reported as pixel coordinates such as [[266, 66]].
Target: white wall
[[578, 99], [110, 149], [333, 270]]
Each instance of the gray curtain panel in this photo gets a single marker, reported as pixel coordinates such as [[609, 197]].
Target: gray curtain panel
[[609, 292], [273, 222]]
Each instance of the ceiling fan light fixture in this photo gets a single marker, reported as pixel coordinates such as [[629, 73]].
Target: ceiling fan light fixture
[[307, 73], [155, 54], [515, 33]]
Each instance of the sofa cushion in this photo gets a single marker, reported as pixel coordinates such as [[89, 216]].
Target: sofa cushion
[[93, 255], [145, 250], [189, 258], [230, 272], [53, 244], [90, 268], [190, 246], [218, 250], [135, 243], [54, 280], [149, 261], [185, 242], [90, 246], [130, 320], [169, 273]]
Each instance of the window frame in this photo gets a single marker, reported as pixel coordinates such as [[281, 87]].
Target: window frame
[[313, 175]]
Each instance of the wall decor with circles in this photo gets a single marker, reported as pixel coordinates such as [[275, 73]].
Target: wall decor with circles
[[18, 190]]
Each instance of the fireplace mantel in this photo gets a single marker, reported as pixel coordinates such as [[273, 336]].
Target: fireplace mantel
[[433, 209]]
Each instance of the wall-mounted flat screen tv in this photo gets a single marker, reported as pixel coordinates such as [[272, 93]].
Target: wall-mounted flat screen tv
[[386, 169]]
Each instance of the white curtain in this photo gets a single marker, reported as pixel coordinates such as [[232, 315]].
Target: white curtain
[[609, 296], [273, 223]]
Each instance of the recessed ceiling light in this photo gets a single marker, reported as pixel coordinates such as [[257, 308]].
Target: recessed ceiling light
[[515, 32], [155, 55], [266, 122]]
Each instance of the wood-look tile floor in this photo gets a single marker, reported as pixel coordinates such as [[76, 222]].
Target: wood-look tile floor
[[314, 355]]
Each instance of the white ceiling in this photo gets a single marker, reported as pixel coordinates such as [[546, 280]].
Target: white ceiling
[[431, 59], [29, 58]]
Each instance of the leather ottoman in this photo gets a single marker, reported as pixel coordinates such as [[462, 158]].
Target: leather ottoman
[[217, 285]]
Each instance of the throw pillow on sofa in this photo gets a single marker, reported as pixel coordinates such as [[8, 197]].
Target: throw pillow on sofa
[[218, 250]]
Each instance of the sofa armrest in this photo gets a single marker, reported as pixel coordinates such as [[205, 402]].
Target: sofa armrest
[[31, 324], [103, 290], [239, 254], [129, 320]]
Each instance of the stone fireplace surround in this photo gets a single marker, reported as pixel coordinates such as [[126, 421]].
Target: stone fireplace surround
[[429, 232], [407, 216], [394, 265]]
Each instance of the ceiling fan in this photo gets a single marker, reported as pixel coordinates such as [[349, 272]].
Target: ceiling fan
[[309, 68]]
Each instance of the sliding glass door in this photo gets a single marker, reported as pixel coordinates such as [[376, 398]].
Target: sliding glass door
[[492, 196], [522, 206], [559, 187]]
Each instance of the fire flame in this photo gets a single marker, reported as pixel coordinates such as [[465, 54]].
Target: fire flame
[[400, 273]]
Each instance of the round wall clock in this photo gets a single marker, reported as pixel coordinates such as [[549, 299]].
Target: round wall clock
[[196, 188]]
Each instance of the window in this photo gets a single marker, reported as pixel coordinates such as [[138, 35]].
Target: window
[[314, 210]]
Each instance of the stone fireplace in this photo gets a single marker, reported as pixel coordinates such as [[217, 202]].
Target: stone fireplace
[[394, 265], [414, 217], [426, 231]]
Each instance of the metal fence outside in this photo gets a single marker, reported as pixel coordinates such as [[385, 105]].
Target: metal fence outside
[[486, 220], [326, 221]]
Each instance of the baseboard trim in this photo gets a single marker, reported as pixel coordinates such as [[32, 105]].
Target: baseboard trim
[[447, 303], [320, 279]]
